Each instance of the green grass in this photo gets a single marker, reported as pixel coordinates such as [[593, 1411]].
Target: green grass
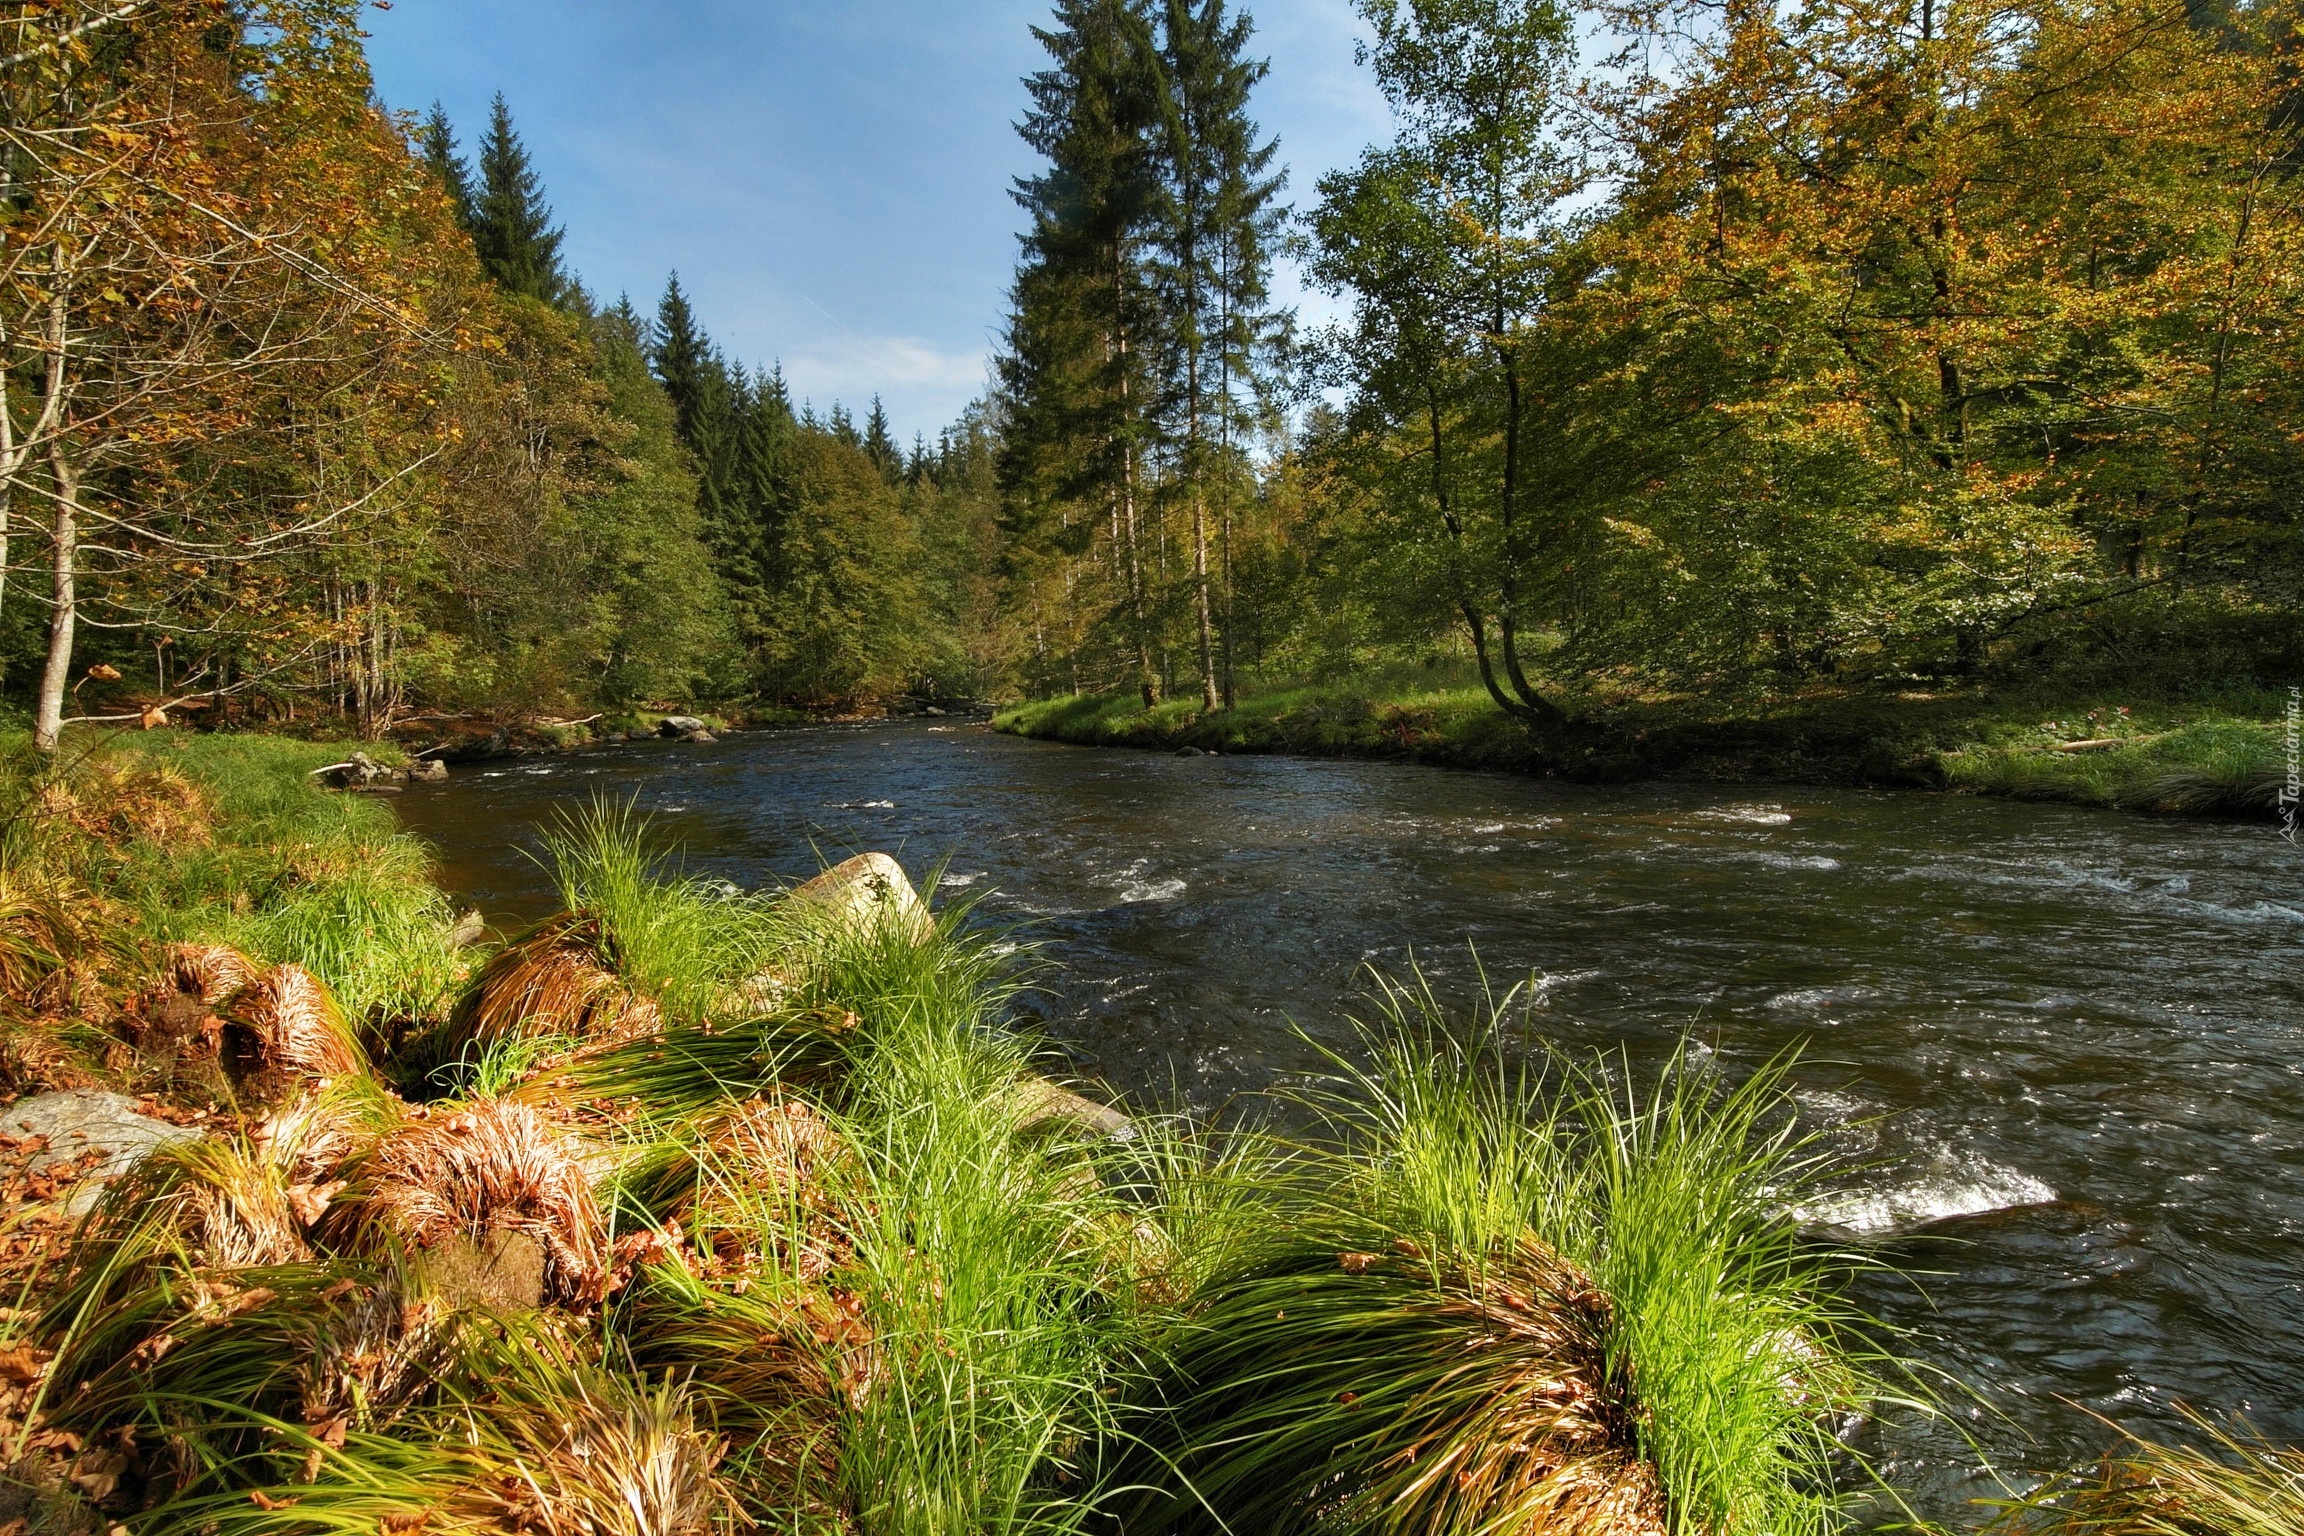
[[229, 839], [2220, 753], [679, 940]]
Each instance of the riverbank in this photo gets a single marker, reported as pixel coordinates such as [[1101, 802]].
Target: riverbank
[[2220, 755], [478, 738], [693, 1210]]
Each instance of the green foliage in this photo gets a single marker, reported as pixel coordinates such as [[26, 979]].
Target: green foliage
[[987, 1306], [847, 1275], [230, 839], [681, 941], [838, 626], [2219, 754]]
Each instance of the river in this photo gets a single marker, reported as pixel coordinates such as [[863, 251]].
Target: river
[[2067, 1046]]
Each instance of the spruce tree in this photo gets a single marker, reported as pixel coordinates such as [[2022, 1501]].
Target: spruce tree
[[511, 224], [684, 362], [1074, 375], [736, 427], [880, 443], [437, 138], [1216, 220]]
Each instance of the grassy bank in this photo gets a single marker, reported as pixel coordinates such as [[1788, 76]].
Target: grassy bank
[[2221, 754], [693, 1211]]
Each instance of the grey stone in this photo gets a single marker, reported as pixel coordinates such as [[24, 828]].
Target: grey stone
[[699, 736], [1041, 1102], [679, 725], [426, 771], [79, 1120], [868, 889], [356, 772]]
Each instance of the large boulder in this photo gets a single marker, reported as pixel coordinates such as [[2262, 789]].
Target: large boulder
[[681, 726], [869, 889], [101, 1133]]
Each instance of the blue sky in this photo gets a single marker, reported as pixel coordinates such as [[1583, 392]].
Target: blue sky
[[830, 180]]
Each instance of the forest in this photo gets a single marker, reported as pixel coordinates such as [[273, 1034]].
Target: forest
[[306, 421], [1683, 352]]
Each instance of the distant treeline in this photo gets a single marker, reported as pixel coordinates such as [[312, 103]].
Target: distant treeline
[[1737, 348]]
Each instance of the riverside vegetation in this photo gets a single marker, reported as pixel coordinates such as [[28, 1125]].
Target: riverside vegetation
[[2219, 753], [1782, 408], [1850, 356], [693, 1210]]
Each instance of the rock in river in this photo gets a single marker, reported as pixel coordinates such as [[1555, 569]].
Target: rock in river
[[869, 888]]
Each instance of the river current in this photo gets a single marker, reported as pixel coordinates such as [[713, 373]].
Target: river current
[[2063, 1050]]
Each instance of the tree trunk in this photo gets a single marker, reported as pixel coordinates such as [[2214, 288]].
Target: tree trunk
[[1225, 545], [48, 723], [1535, 705], [1147, 681]]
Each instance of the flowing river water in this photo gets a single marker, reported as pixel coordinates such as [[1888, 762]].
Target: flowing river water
[[2064, 1048]]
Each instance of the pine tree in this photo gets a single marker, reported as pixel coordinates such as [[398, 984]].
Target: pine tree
[[737, 428], [880, 443], [511, 224], [437, 138], [1215, 219], [684, 362], [1074, 377]]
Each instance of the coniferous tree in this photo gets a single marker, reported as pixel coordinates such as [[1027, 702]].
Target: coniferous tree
[[437, 138], [1075, 373], [880, 443], [511, 223], [1215, 219], [684, 363]]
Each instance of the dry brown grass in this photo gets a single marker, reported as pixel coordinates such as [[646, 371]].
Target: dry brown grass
[[1549, 1432], [2233, 1482], [551, 982], [567, 1449], [381, 1351], [220, 1023], [1424, 1397], [215, 974], [299, 1030], [119, 803], [487, 1167]]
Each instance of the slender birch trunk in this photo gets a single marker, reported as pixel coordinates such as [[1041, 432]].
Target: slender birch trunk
[[56, 677]]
